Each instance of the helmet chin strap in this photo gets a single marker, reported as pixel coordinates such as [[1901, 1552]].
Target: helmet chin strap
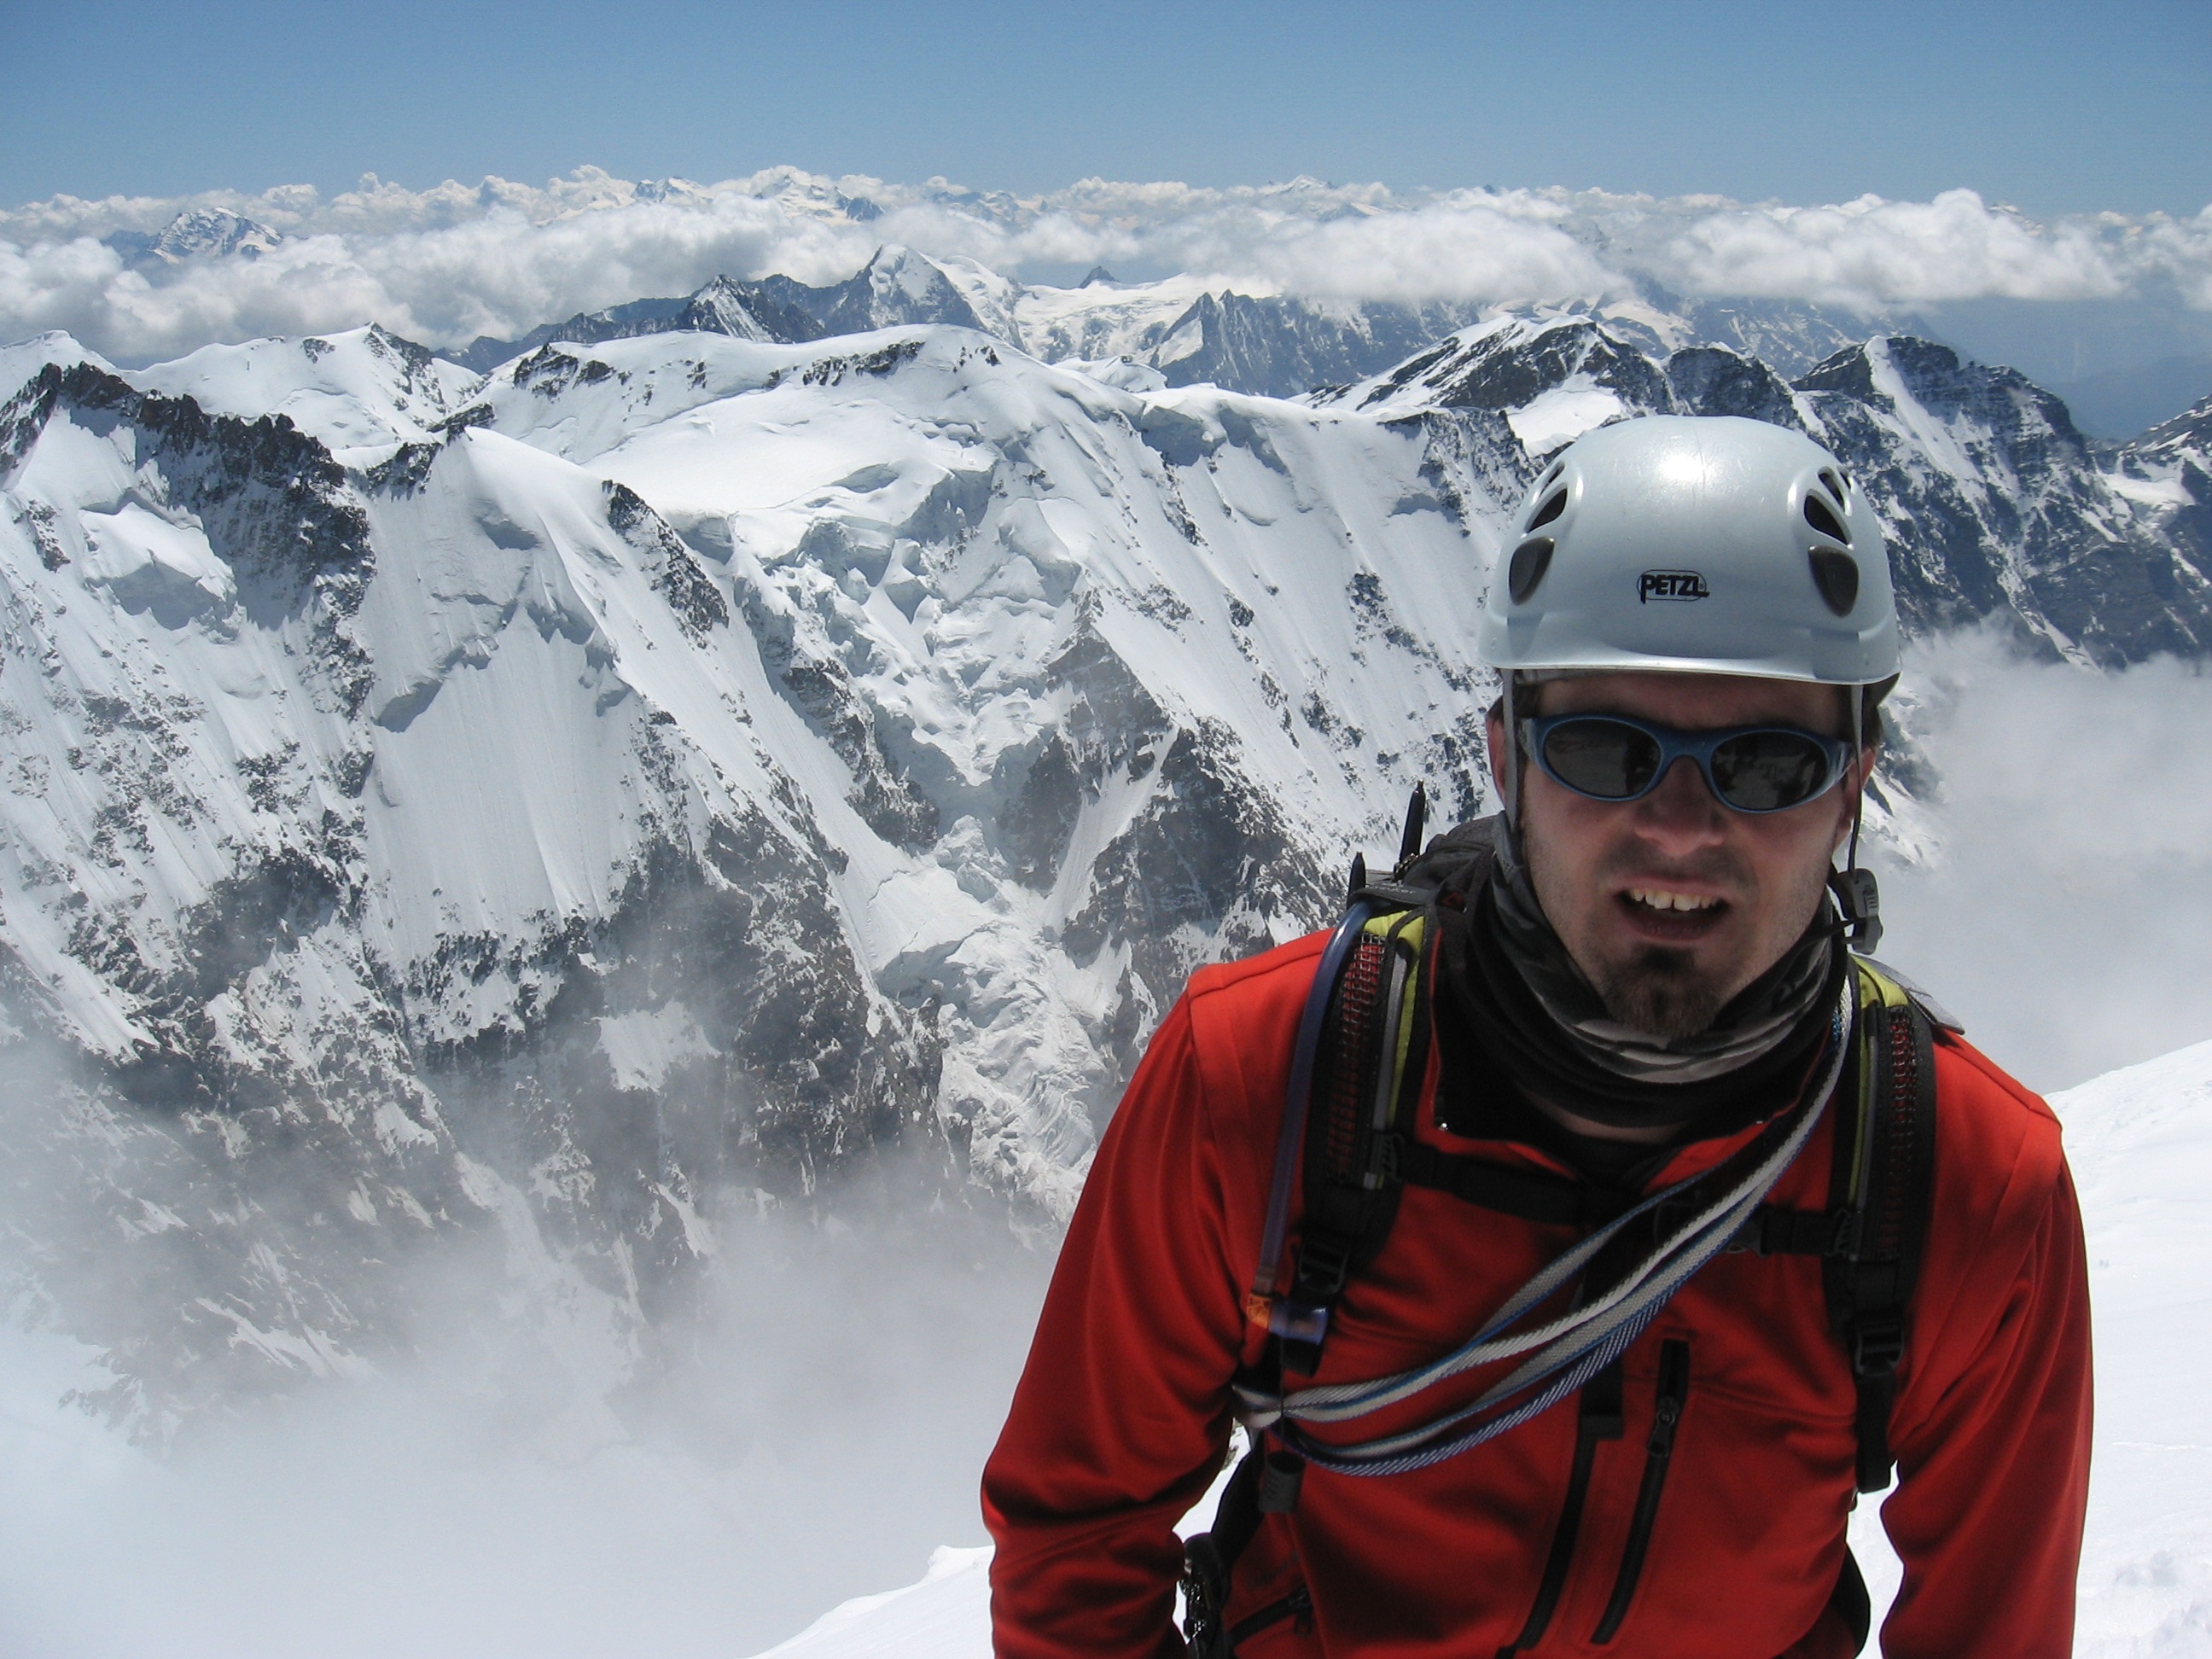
[[1508, 775], [1857, 896]]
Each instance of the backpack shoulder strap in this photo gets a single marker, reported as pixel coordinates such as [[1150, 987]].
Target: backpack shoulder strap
[[1364, 1032], [1883, 1185], [1374, 1036]]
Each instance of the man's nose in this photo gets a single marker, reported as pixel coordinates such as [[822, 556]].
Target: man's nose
[[1682, 813]]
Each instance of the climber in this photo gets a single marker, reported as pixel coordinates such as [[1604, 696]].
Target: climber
[[1579, 1228]]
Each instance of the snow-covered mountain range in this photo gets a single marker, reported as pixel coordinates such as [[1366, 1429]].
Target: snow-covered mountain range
[[1192, 330], [738, 743]]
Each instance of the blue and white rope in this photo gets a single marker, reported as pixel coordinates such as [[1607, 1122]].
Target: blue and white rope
[[1568, 1350]]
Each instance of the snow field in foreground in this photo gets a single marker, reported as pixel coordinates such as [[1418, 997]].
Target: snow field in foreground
[[2140, 1141]]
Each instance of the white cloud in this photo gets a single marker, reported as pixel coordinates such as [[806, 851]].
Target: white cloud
[[441, 266], [2067, 917], [811, 1437], [447, 264], [2177, 249], [1870, 253]]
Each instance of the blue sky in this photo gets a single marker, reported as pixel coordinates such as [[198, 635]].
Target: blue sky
[[2055, 107]]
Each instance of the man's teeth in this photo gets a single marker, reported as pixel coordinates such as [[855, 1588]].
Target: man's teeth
[[1658, 898]]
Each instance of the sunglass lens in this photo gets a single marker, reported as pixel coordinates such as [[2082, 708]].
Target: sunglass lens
[[1767, 771], [1601, 757]]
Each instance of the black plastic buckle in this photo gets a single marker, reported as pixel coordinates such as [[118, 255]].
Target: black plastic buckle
[[1859, 898], [1324, 1263], [1877, 1344], [1280, 1477]]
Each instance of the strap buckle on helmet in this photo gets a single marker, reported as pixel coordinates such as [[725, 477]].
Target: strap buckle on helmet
[[1859, 897]]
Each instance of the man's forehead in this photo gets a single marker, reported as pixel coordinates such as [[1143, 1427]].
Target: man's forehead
[[1688, 698]]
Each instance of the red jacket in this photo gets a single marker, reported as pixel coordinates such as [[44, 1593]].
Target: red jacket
[[1122, 1416]]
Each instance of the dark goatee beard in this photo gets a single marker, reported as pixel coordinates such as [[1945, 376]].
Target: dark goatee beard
[[1661, 993]]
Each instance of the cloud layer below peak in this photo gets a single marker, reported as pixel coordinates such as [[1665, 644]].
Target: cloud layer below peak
[[445, 264]]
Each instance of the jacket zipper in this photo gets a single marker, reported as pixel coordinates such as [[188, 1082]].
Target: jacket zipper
[[1666, 1420], [1298, 1605], [1599, 1418]]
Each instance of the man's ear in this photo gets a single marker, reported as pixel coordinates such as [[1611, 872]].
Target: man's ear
[[1862, 773], [1855, 779], [1500, 776]]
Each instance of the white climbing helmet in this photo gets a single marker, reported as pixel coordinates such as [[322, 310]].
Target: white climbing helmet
[[1706, 544]]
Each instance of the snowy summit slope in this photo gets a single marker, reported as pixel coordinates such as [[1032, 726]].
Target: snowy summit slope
[[357, 393], [2140, 1141]]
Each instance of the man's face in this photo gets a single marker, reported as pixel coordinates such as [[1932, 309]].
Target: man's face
[[1673, 903]]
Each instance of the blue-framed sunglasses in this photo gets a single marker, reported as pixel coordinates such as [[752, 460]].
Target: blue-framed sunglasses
[[1752, 769]]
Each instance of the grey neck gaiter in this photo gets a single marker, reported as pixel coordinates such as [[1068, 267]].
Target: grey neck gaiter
[[1760, 1021]]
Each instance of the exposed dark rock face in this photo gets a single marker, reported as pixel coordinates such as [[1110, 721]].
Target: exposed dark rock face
[[1511, 367], [2168, 473], [785, 1071], [895, 288], [697, 603], [1198, 877], [1110, 727], [2018, 519], [198, 233], [746, 311], [1714, 380]]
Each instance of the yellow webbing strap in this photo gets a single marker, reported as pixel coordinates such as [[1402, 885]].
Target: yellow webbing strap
[[1404, 932], [1876, 990]]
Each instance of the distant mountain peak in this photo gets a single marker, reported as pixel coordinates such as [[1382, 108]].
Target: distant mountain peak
[[201, 233], [897, 287], [669, 189]]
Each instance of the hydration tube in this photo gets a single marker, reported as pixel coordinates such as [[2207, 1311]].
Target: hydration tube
[[1290, 1143]]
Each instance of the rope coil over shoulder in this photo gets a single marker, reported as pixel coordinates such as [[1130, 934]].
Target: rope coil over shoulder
[[1565, 1352]]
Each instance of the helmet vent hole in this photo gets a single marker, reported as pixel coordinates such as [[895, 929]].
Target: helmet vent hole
[[1822, 517], [1835, 482], [1531, 560], [1552, 471], [1837, 575], [1549, 511]]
